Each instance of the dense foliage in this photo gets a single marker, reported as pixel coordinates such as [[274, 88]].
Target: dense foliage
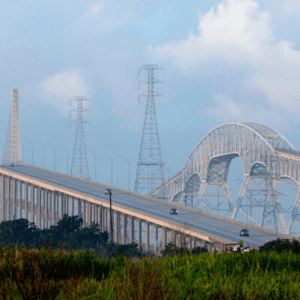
[[281, 245], [43, 274]]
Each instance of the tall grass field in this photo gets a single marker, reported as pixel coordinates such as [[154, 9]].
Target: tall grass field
[[27, 273]]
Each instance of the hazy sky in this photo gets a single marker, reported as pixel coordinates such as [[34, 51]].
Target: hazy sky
[[222, 61]]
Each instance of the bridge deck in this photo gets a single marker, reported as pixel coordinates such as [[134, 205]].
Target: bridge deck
[[219, 226]]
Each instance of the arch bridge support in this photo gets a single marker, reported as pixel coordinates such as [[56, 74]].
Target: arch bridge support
[[258, 190], [266, 156], [215, 186]]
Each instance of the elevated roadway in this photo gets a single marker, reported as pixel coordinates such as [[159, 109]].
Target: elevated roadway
[[195, 223]]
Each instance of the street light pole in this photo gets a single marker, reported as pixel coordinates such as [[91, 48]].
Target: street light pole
[[43, 154], [108, 191], [111, 168], [54, 156], [67, 158], [95, 164], [128, 172], [31, 150]]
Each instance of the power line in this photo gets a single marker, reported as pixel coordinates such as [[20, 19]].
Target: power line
[[120, 106], [107, 133], [120, 131]]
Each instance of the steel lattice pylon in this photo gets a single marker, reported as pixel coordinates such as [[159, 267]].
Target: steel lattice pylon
[[80, 166], [150, 173]]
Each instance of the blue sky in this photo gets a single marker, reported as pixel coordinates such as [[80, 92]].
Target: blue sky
[[222, 61]]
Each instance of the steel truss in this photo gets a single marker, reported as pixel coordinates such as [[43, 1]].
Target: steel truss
[[269, 161]]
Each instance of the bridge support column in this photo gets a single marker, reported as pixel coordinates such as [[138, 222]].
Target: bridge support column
[[95, 213], [147, 237], [105, 221], [139, 237], [31, 188], [100, 218], [221, 248], [124, 231], [53, 203], [7, 197], [26, 200], [209, 248], [13, 197], [173, 236], [89, 213], [163, 238], [38, 201], [192, 242], [2, 201], [111, 234], [155, 232], [20, 199], [64, 199], [83, 212], [131, 229], [72, 206], [117, 226]]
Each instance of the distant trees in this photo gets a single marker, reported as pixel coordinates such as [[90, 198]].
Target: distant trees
[[17, 232], [67, 232], [280, 246]]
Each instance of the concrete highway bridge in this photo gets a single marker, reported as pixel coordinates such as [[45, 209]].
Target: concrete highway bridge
[[43, 196]]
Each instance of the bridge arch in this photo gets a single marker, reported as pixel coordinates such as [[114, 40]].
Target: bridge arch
[[252, 142], [263, 152]]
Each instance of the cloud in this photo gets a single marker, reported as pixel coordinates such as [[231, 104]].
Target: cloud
[[290, 7], [60, 89], [108, 15], [226, 109], [94, 10], [237, 33], [234, 32]]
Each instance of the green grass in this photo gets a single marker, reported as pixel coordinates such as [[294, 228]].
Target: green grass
[[46, 274]]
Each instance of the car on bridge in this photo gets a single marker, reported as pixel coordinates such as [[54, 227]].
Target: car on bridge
[[173, 211], [244, 232]]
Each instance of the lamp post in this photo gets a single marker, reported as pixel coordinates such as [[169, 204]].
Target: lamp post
[[95, 164], [67, 158], [43, 154], [111, 168], [128, 172], [108, 191], [31, 150], [54, 156]]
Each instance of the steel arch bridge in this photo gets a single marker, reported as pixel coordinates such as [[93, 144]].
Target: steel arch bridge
[[268, 160]]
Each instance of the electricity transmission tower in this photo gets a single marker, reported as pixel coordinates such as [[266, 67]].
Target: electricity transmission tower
[[150, 173], [80, 166]]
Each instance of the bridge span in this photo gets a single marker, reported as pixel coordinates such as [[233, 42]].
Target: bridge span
[[271, 174], [42, 196]]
